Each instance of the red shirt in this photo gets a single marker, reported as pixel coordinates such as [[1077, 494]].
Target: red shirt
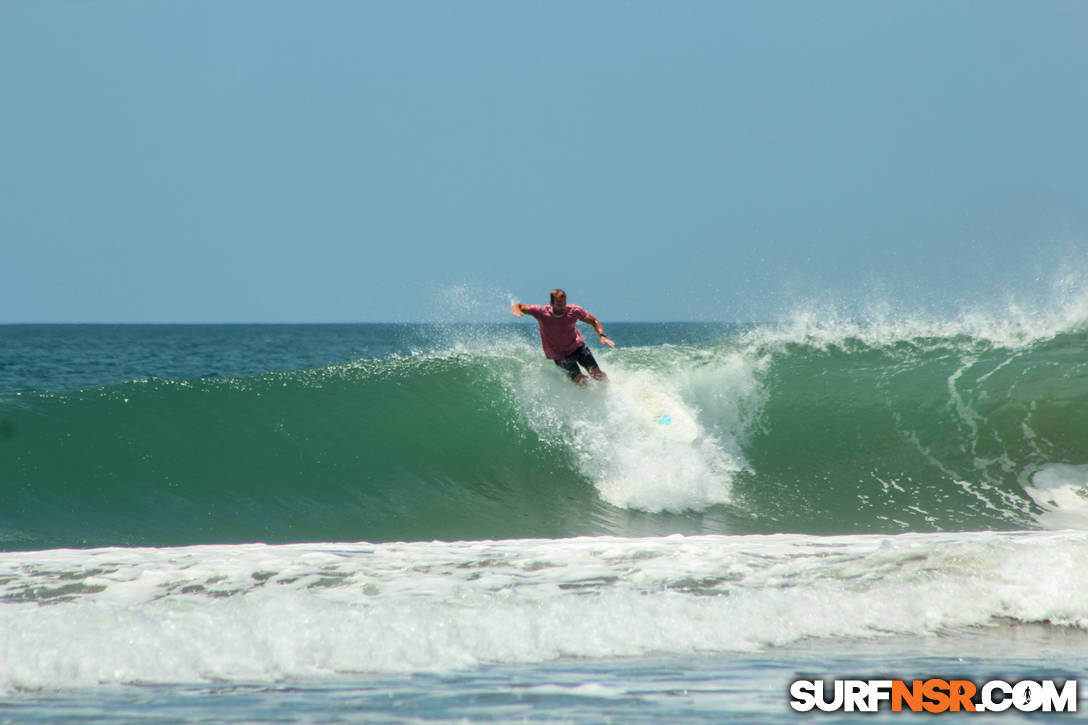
[[559, 335]]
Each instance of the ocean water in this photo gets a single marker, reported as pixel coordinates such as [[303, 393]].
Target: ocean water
[[406, 523]]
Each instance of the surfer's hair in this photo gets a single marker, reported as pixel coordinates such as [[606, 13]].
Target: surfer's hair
[[557, 293]]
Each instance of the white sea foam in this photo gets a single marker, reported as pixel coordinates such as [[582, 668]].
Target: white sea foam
[[664, 434], [1061, 491], [263, 613]]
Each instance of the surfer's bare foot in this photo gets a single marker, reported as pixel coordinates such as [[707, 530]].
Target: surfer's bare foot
[[599, 375]]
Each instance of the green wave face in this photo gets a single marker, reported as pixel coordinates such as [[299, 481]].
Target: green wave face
[[388, 450], [763, 435], [922, 434]]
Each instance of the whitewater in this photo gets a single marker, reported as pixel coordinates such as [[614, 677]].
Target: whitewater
[[428, 522]]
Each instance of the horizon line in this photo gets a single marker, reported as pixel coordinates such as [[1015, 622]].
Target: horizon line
[[364, 322]]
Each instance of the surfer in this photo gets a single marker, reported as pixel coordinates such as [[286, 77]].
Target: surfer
[[562, 341]]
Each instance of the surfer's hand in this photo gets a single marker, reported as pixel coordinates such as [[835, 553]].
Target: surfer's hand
[[606, 341], [516, 309]]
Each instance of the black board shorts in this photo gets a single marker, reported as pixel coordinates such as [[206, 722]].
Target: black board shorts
[[582, 356]]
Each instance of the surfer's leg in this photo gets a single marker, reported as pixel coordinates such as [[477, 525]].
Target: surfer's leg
[[586, 359], [570, 367]]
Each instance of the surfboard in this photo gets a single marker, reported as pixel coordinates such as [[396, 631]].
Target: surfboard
[[665, 416]]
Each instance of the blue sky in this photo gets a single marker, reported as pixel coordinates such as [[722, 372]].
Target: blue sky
[[396, 161]]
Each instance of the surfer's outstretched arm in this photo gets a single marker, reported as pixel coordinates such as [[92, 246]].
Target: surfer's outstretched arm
[[518, 309], [600, 329]]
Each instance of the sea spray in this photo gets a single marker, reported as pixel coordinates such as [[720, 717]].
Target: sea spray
[[616, 434]]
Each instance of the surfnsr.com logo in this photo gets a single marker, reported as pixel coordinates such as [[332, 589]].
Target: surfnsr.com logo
[[934, 695]]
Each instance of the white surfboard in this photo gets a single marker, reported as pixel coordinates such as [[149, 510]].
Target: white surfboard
[[664, 415]]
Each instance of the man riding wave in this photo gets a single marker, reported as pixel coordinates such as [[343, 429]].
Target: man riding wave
[[560, 337]]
